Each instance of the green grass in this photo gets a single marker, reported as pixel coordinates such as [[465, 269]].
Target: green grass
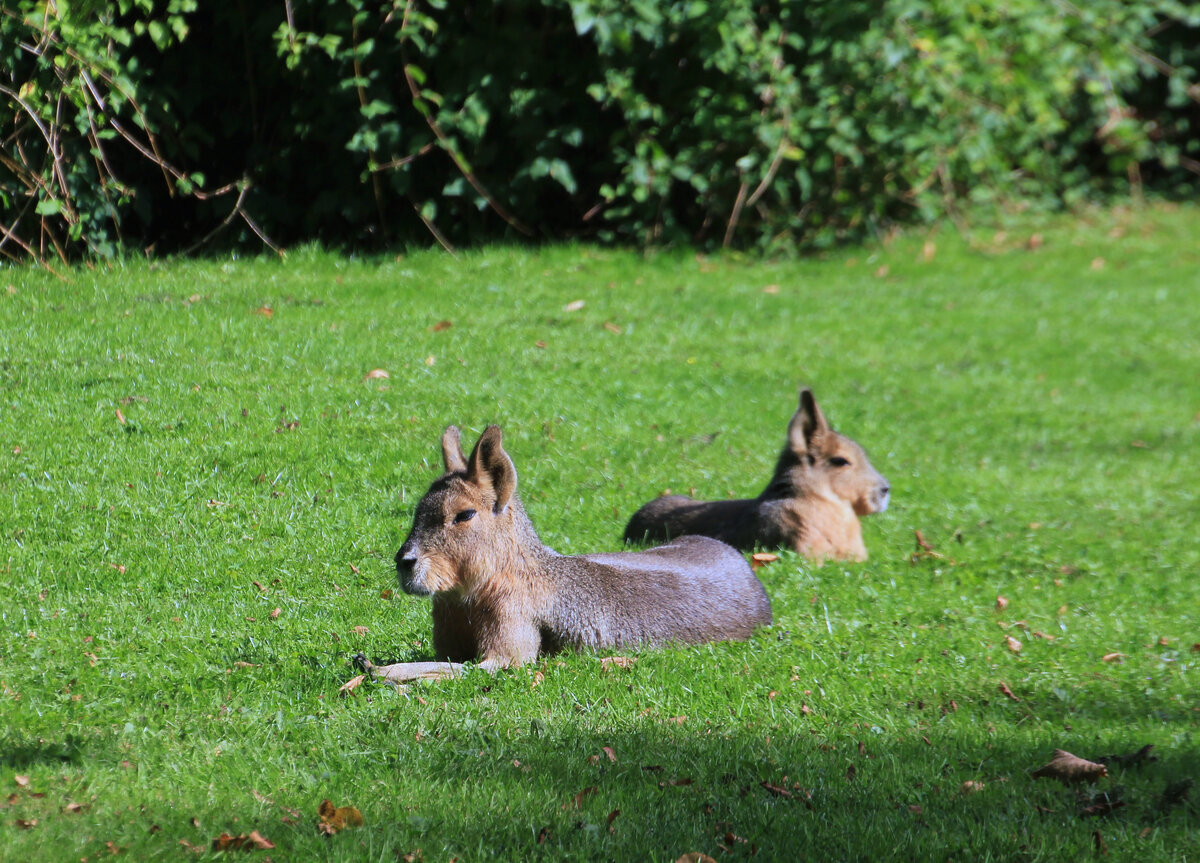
[[1037, 414]]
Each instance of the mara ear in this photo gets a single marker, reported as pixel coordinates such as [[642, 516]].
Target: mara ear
[[452, 453], [807, 422], [490, 465]]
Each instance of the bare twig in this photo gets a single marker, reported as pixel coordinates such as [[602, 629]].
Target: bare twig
[[243, 188], [400, 163], [735, 215], [433, 229]]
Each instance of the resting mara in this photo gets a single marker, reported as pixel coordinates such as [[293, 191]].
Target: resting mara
[[501, 596], [822, 483]]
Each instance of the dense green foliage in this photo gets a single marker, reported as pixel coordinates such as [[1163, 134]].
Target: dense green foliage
[[186, 447], [769, 125]]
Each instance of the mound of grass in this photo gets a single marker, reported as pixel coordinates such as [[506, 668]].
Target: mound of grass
[[203, 485]]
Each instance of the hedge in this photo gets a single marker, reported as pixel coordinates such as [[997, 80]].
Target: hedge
[[168, 125]]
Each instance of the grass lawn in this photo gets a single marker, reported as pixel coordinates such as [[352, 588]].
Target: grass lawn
[[202, 490]]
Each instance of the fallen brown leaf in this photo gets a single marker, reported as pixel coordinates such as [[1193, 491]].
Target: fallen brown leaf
[[574, 306], [441, 326], [350, 685], [376, 373], [695, 857], [22, 781], [1112, 657], [972, 787], [265, 311], [360, 630], [1012, 643], [577, 801], [610, 752], [607, 662], [274, 615], [1104, 807], [252, 841], [120, 417], [1008, 693], [540, 344], [334, 819], [777, 790], [1068, 768], [612, 328], [762, 558], [1034, 242], [27, 823], [1001, 603]]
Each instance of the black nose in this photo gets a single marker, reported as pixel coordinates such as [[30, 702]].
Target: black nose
[[406, 558]]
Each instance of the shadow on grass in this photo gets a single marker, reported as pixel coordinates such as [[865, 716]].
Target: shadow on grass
[[19, 754], [736, 795]]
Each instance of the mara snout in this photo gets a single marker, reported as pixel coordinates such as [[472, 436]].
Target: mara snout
[[502, 596], [823, 482]]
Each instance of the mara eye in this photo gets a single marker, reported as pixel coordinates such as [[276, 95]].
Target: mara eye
[[465, 515], [838, 461]]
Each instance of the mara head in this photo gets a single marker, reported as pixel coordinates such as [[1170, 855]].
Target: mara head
[[817, 461], [464, 525]]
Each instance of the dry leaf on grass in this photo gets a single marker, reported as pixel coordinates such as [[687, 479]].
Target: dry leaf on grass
[[1012, 644], [695, 857], [1068, 768], [607, 662], [376, 373], [761, 559], [1104, 807], [441, 326], [1008, 693], [577, 801], [334, 819], [252, 841], [1001, 603], [610, 752], [22, 781], [972, 787], [350, 685], [1112, 657]]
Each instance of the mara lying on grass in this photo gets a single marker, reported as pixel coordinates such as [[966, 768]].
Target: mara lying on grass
[[501, 596], [822, 483]]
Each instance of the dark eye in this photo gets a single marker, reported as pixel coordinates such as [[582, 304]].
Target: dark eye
[[838, 461], [465, 515]]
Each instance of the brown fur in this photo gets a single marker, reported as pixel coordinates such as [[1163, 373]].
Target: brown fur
[[822, 483], [501, 596]]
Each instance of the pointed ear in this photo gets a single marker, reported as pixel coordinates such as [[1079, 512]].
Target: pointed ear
[[452, 453], [807, 422], [490, 465]]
